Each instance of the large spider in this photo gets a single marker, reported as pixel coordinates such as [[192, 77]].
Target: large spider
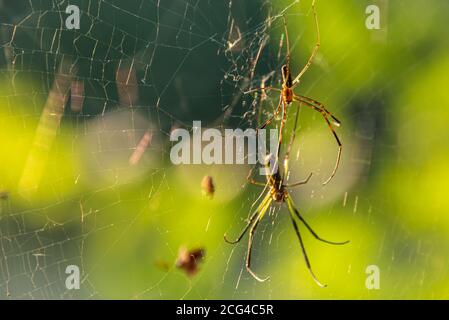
[[278, 192], [287, 96]]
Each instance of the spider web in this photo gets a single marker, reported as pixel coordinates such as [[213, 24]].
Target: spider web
[[86, 177]]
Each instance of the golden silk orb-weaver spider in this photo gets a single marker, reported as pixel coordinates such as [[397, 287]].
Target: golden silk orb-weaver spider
[[287, 96], [276, 190]]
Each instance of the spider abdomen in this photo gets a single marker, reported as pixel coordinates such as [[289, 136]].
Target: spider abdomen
[[287, 95], [278, 195]]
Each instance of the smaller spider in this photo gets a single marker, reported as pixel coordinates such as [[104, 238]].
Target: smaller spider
[[278, 192]]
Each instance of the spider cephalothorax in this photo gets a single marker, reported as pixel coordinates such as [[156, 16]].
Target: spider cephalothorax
[[274, 179], [278, 195]]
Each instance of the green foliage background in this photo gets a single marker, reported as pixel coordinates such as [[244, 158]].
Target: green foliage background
[[390, 89]]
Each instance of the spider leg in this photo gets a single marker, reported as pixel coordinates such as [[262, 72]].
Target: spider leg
[[287, 42], [287, 154], [295, 226], [315, 49], [281, 129], [292, 139], [251, 220], [290, 185], [250, 242], [278, 109], [323, 108], [293, 209], [252, 181], [325, 114], [281, 105], [261, 89]]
